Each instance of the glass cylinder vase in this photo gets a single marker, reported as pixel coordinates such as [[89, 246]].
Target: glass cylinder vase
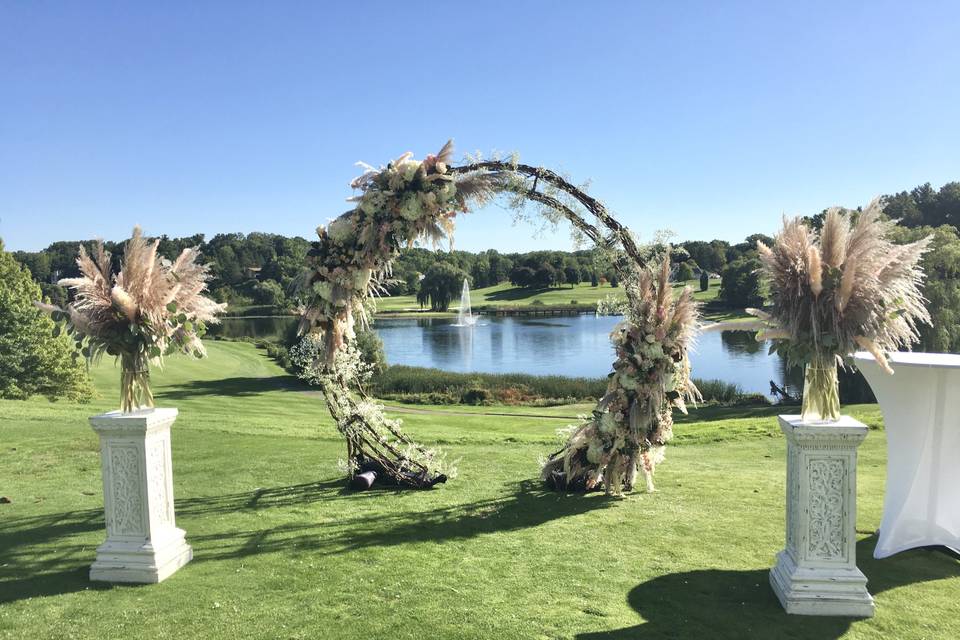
[[135, 382], [821, 391]]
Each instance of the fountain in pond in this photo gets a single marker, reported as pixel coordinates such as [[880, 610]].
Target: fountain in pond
[[465, 316]]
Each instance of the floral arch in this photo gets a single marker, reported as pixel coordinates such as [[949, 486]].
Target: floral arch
[[409, 200]]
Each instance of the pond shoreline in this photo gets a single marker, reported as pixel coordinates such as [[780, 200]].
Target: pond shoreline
[[569, 345]]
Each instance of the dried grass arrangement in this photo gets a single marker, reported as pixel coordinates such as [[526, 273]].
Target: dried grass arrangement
[[630, 426], [150, 309], [844, 288]]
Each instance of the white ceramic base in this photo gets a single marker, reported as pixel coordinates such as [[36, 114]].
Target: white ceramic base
[[143, 542], [816, 574]]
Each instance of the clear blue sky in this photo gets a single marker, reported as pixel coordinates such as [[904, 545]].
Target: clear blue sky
[[710, 119]]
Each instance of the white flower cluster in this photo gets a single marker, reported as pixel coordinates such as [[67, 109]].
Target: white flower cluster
[[310, 357]]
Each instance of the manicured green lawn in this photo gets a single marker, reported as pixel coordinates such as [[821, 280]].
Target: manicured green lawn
[[282, 551], [506, 295]]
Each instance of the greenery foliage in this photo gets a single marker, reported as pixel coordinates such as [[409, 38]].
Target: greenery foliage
[[419, 385], [416, 383], [440, 285], [35, 357], [740, 283]]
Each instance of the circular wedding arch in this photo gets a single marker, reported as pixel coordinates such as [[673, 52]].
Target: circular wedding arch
[[408, 200]]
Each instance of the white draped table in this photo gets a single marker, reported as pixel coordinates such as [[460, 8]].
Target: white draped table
[[921, 416]]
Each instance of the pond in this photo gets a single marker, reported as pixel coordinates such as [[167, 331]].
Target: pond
[[567, 345]]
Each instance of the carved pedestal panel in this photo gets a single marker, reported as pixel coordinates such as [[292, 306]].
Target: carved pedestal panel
[[143, 543], [816, 574]]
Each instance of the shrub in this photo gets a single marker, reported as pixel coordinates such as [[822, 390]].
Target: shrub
[[476, 395], [371, 346], [400, 382], [704, 280], [723, 392], [36, 358]]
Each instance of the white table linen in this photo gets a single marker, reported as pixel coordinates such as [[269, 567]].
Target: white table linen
[[921, 416]]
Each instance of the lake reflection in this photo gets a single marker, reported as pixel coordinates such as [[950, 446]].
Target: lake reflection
[[568, 345]]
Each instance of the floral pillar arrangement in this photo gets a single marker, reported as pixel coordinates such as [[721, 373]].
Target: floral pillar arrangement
[[833, 291], [348, 266], [629, 428], [150, 309]]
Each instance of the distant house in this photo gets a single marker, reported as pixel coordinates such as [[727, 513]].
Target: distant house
[[254, 272]]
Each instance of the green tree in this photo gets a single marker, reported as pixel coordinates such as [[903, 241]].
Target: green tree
[[941, 265], [522, 276], [704, 280], [740, 284], [480, 272], [371, 346], [684, 272], [267, 292], [440, 284], [545, 276], [38, 263], [709, 255], [35, 358]]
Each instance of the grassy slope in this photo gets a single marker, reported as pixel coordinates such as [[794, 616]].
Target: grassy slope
[[282, 551], [506, 295]]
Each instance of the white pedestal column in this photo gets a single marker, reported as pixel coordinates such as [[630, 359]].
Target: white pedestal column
[[816, 574], [143, 543]]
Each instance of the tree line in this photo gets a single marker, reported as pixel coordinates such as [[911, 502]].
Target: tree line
[[264, 268]]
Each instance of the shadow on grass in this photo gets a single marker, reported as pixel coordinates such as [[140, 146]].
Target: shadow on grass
[[710, 413], [41, 558], [517, 293], [740, 604], [525, 504], [233, 387]]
